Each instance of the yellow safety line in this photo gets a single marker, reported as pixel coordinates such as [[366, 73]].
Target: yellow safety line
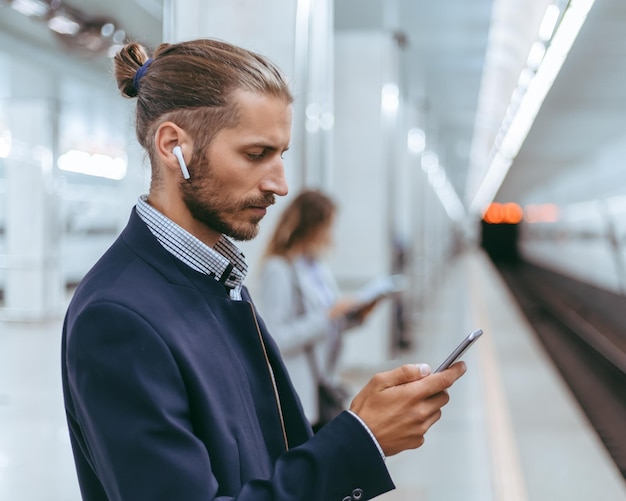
[[506, 472]]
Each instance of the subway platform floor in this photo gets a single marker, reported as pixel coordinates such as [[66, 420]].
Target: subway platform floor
[[511, 432]]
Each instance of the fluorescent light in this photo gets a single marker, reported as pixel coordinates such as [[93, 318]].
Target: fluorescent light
[[113, 50], [416, 140], [35, 8], [514, 135], [525, 78], [5, 144], [312, 125], [98, 165], [327, 121], [107, 29], [430, 161], [535, 55], [390, 97], [442, 187], [487, 190], [550, 18], [63, 25], [313, 110], [448, 197], [617, 204], [437, 178], [119, 36]]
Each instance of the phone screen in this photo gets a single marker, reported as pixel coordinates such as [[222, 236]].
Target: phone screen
[[460, 349]]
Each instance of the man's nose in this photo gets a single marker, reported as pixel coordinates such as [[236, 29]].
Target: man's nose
[[275, 180]]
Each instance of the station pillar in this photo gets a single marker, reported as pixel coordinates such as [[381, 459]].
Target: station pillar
[[33, 285], [296, 35]]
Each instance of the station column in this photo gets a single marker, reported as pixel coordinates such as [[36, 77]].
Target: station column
[[33, 282], [298, 37]]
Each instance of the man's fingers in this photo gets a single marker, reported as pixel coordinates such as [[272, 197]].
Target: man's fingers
[[404, 374], [409, 373], [454, 372]]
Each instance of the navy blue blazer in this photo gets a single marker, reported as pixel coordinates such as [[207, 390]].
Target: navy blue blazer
[[168, 393]]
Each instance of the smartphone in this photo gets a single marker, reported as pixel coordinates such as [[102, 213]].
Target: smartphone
[[460, 349]]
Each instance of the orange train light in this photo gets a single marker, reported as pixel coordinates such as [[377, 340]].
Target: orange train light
[[509, 213], [513, 213], [541, 213]]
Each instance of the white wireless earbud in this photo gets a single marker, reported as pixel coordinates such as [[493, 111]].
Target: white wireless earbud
[[178, 153]]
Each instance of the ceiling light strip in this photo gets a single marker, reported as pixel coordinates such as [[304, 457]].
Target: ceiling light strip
[[502, 157]]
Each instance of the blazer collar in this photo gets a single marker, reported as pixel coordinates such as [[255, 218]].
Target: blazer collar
[[140, 239]]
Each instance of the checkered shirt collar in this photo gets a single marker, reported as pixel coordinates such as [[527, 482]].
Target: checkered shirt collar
[[225, 262]]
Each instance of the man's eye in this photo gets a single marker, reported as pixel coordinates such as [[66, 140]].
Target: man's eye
[[256, 156]]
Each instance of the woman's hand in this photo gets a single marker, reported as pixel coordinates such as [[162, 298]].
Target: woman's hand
[[352, 310]]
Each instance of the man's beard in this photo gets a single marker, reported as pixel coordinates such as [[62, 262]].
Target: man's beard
[[209, 203]]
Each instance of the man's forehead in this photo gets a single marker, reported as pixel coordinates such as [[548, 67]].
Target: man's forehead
[[263, 120]]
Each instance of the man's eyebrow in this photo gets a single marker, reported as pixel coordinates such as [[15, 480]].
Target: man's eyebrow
[[265, 146]]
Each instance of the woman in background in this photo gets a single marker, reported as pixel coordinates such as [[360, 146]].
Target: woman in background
[[300, 300]]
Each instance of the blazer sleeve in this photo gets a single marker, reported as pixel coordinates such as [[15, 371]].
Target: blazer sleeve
[[282, 310], [130, 401]]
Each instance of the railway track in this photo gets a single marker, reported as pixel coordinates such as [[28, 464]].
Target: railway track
[[583, 329]]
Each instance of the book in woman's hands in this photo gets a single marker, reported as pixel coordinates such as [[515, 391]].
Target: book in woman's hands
[[377, 289]]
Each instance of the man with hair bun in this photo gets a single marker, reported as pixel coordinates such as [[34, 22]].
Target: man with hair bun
[[174, 389]]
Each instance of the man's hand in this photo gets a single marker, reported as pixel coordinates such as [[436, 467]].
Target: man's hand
[[399, 406]]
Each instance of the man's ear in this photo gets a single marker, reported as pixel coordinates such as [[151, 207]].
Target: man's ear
[[167, 137]]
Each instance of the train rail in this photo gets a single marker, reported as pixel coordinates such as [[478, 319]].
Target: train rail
[[583, 329]]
